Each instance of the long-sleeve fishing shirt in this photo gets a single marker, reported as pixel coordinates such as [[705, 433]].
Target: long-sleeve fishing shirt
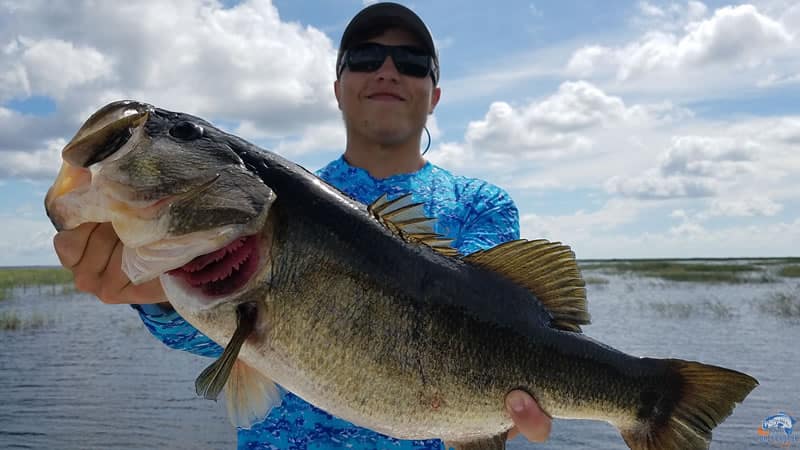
[[476, 214]]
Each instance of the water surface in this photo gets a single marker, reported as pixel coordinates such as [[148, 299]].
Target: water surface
[[92, 377]]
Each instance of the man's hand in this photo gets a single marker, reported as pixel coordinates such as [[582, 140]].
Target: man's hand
[[529, 420], [93, 253]]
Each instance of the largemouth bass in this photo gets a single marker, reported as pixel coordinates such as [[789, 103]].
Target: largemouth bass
[[362, 310]]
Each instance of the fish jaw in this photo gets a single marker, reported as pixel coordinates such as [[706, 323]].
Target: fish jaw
[[227, 274]]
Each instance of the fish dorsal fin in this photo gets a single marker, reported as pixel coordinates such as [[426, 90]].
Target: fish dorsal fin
[[407, 220], [548, 270]]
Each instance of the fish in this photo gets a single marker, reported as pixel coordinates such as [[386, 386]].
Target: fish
[[780, 421], [363, 310]]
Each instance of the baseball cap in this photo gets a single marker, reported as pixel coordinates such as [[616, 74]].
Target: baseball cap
[[384, 15]]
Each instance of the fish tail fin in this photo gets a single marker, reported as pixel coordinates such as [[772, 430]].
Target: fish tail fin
[[249, 395], [701, 398]]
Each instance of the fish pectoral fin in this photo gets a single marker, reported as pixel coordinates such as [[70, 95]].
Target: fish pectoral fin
[[485, 443], [211, 381], [408, 221], [249, 395], [704, 396], [548, 270]]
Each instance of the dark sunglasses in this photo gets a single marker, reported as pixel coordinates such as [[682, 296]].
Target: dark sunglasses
[[368, 57]]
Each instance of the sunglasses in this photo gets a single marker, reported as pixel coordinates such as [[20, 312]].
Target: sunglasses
[[368, 57]]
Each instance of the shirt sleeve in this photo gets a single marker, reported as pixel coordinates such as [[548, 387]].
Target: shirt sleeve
[[175, 332], [492, 219]]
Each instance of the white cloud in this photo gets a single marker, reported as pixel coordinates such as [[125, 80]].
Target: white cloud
[[36, 164], [671, 16], [26, 241], [749, 207], [548, 128], [649, 9], [733, 36], [571, 132], [685, 240], [598, 234], [692, 166], [325, 137], [49, 67], [709, 157], [239, 63], [581, 224], [774, 79]]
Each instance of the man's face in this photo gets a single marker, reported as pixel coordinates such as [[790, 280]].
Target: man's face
[[385, 106]]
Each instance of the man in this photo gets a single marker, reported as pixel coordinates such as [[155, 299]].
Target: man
[[387, 75]]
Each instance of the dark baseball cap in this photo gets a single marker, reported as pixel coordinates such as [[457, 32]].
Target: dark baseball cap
[[378, 17]]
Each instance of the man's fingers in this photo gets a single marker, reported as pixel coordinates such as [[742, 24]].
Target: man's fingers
[[70, 245], [529, 419], [149, 292], [113, 278], [116, 287], [98, 249]]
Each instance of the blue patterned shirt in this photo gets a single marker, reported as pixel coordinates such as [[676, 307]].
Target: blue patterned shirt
[[476, 214]]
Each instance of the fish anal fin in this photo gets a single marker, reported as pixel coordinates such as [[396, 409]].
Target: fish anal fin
[[249, 395], [407, 220], [707, 395], [548, 270], [484, 443]]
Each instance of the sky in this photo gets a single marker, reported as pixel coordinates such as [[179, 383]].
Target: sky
[[625, 129]]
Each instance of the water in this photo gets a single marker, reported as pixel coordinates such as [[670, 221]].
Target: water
[[93, 378]]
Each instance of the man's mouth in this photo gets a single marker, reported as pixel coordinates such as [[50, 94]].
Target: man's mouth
[[386, 97], [223, 271]]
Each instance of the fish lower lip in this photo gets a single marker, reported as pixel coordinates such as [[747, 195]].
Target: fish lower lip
[[223, 271]]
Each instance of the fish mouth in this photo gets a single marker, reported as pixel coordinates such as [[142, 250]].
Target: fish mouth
[[223, 271]]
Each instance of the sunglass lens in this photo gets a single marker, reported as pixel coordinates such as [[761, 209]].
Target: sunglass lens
[[366, 58], [411, 61], [369, 57]]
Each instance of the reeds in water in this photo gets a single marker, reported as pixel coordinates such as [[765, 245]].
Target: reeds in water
[[790, 271], [12, 321], [670, 310], [782, 304]]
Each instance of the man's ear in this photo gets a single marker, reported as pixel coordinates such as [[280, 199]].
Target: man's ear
[[336, 93], [435, 95]]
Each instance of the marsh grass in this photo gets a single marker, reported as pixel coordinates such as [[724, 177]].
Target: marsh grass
[[47, 280], [706, 308], [781, 304], [13, 321], [790, 271], [698, 272], [595, 280]]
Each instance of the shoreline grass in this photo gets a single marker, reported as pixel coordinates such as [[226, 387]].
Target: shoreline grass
[[33, 277], [791, 271], [694, 271], [13, 321]]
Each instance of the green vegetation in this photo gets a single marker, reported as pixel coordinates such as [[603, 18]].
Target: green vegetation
[[781, 304], [26, 278], [790, 271], [595, 280], [11, 321], [694, 271], [715, 309]]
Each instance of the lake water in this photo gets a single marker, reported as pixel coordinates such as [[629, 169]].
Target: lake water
[[93, 378]]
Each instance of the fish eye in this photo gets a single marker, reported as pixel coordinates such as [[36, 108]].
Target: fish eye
[[186, 131]]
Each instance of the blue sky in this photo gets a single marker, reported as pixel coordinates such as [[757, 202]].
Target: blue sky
[[624, 129]]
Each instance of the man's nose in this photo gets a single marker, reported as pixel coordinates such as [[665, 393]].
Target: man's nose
[[388, 69]]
